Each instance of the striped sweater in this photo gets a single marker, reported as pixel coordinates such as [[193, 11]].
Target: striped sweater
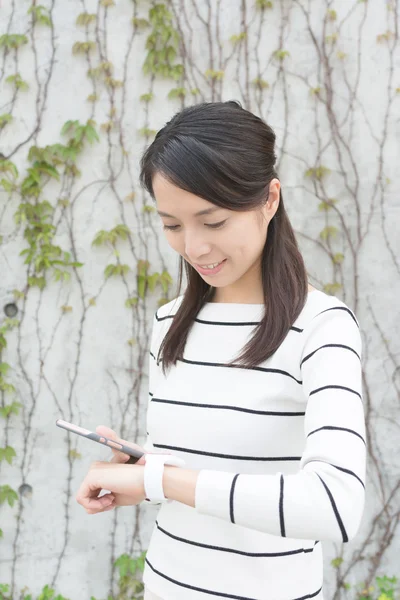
[[280, 449]]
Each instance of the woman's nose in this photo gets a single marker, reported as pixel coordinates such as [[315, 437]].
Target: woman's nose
[[196, 247]]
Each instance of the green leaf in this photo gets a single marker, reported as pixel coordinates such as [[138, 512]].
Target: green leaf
[[109, 270], [327, 204], [346, 586], [102, 237], [4, 368], [146, 97], [91, 134], [238, 38], [129, 302], [7, 185], [74, 454], [6, 166], [9, 454], [166, 281], [328, 232], [281, 54], [140, 23], [317, 173], [44, 167], [121, 231], [338, 258], [39, 282], [123, 269], [8, 409], [6, 387], [152, 280], [47, 593], [17, 81], [68, 127], [40, 15], [336, 562], [141, 561], [141, 284], [13, 40], [262, 4], [122, 563], [6, 118], [332, 288], [143, 267], [85, 19]]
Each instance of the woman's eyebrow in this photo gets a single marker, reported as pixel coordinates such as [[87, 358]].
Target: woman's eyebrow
[[207, 211]]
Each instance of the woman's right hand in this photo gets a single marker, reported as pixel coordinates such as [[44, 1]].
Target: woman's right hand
[[119, 457]]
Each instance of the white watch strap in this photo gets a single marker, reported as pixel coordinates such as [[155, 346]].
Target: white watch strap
[[153, 474]]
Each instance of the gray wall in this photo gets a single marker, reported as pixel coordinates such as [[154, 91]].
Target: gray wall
[[76, 351]]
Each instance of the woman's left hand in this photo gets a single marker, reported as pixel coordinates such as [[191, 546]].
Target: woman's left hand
[[125, 482]]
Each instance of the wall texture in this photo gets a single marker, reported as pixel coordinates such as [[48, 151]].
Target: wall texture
[[84, 85]]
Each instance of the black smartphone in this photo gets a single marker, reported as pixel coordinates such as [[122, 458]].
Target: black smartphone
[[95, 437]]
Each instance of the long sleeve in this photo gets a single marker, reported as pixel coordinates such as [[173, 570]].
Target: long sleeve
[[324, 500], [154, 374]]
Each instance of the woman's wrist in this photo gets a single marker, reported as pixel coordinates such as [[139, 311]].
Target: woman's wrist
[[180, 484]]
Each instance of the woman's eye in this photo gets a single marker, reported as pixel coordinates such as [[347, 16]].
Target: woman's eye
[[215, 225], [210, 225]]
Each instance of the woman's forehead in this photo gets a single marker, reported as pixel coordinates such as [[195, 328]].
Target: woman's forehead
[[173, 201]]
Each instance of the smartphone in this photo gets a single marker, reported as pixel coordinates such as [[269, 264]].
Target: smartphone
[[95, 437]]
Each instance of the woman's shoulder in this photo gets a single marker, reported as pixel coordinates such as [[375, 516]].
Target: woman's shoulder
[[167, 311], [320, 304]]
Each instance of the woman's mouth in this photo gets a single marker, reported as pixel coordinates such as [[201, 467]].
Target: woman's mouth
[[211, 269]]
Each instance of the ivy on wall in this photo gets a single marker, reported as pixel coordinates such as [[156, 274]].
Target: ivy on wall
[[41, 185]]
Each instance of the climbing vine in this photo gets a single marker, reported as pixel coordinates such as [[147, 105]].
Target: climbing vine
[[80, 239]]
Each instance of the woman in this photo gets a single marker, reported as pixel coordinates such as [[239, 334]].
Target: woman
[[255, 382]]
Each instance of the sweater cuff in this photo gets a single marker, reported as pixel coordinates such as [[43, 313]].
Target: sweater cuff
[[213, 492]]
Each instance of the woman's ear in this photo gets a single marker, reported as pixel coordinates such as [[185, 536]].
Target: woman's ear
[[272, 203]]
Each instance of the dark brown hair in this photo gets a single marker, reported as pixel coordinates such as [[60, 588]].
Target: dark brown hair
[[225, 154]]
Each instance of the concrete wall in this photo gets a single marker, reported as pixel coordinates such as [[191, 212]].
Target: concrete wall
[[325, 75]]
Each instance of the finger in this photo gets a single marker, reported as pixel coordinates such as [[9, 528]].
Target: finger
[[96, 512], [119, 457], [106, 431], [89, 498]]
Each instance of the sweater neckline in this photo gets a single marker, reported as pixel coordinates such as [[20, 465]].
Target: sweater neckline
[[234, 304], [232, 310]]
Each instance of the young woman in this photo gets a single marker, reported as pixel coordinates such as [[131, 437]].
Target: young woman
[[255, 382]]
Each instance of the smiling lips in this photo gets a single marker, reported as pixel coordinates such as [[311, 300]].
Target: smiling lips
[[211, 269], [210, 266]]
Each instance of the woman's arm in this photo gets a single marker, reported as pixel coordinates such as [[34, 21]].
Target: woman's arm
[[180, 485], [325, 499]]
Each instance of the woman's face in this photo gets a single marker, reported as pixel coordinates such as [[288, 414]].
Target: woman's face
[[224, 246]]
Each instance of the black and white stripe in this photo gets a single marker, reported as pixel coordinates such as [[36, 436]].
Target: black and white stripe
[[280, 451], [216, 593], [235, 550]]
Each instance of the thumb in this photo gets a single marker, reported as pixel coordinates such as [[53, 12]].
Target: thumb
[[118, 457], [106, 432]]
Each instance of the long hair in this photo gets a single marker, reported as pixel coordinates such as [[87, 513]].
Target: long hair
[[226, 155]]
